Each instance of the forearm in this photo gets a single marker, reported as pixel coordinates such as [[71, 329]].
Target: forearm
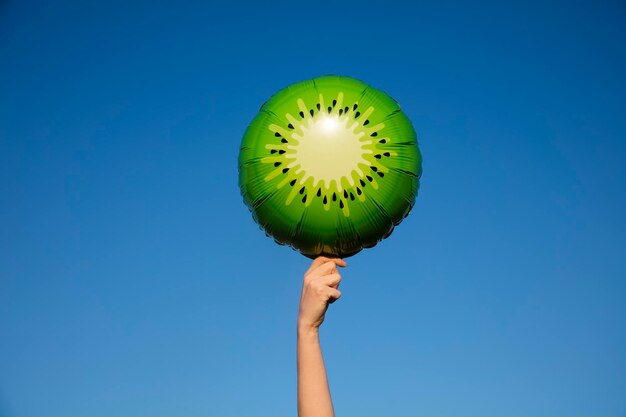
[[313, 393]]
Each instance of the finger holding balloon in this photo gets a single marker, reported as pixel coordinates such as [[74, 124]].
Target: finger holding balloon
[[327, 265]]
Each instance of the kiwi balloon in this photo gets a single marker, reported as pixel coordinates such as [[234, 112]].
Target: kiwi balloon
[[329, 166]]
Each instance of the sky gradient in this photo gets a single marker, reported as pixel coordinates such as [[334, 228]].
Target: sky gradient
[[134, 282]]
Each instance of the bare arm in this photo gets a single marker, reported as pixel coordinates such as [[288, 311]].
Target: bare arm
[[318, 291]]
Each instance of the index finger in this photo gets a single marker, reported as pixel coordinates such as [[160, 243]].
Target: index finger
[[320, 260]]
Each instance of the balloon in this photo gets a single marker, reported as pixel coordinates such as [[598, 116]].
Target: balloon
[[329, 166]]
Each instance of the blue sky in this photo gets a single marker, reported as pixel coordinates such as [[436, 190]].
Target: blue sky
[[134, 282]]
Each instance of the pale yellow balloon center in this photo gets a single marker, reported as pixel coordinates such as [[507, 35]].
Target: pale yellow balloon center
[[328, 149]]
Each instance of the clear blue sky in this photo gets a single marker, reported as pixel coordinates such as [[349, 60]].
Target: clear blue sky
[[134, 282]]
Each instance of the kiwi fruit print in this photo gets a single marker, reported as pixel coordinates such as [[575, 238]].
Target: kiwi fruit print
[[329, 166]]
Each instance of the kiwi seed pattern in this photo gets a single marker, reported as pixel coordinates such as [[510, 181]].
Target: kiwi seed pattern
[[329, 166]]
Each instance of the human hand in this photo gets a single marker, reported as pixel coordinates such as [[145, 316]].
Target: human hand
[[319, 289]]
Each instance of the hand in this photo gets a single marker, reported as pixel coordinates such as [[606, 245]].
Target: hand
[[320, 288]]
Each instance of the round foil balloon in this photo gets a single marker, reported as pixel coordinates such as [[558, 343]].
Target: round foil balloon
[[329, 166]]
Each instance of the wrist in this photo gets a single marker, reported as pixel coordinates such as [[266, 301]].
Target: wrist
[[307, 331]]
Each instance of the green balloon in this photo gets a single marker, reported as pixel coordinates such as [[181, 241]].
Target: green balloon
[[329, 166]]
